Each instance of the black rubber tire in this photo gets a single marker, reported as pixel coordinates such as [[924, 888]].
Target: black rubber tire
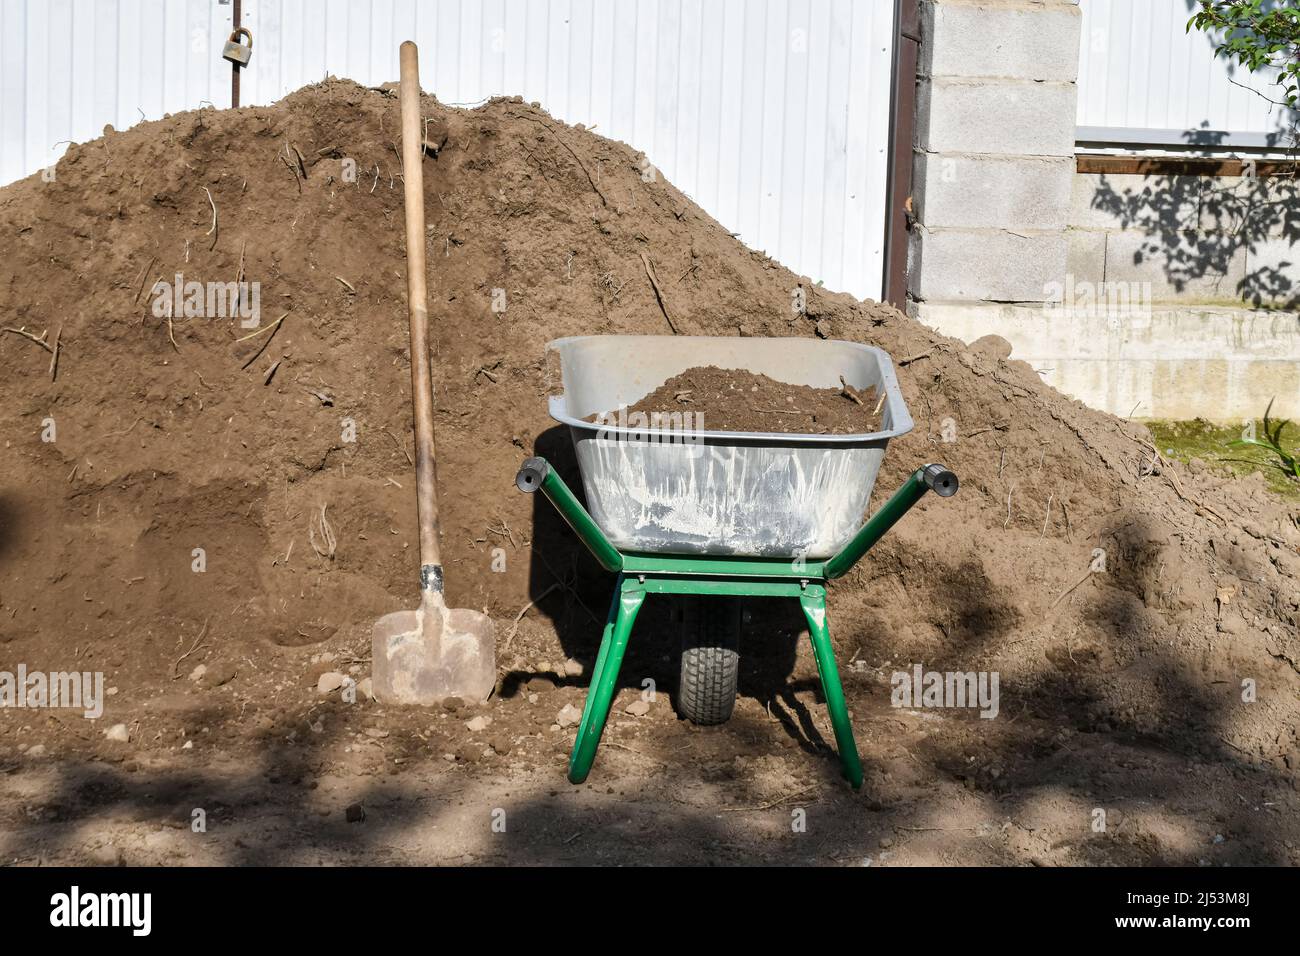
[[710, 665]]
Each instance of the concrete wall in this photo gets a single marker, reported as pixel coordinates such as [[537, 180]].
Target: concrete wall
[[1181, 362], [994, 149], [1127, 292], [1195, 239]]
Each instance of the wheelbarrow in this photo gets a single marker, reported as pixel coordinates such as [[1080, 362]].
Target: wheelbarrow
[[675, 508]]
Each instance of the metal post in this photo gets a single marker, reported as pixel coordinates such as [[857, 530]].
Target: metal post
[[234, 67], [902, 129]]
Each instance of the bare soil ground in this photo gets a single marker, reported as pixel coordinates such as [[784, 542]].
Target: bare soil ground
[[1121, 689]]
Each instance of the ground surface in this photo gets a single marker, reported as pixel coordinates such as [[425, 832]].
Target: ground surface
[[1141, 615]]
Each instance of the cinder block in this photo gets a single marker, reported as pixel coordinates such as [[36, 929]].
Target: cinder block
[[1254, 208], [1086, 254], [1008, 117], [1273, 273], [1146, 203], [1181, 266], [1032, 41], [984, 264], [991, 191]]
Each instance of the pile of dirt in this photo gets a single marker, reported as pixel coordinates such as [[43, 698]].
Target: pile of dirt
[[165, 497], [734, 400]]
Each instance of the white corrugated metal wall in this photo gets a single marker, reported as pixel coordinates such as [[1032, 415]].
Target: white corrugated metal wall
[[772, 114], [1142, 72]]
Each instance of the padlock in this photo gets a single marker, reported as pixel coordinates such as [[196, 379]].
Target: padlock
[[237, 52]]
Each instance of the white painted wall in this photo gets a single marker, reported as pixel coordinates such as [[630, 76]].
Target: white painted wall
[[771, 114], [1140, 70]]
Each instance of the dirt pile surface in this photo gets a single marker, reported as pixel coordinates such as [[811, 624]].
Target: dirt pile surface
[[179, 493], [733, 400]]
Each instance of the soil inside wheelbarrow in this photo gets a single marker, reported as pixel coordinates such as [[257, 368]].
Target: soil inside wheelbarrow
[[735, 400]]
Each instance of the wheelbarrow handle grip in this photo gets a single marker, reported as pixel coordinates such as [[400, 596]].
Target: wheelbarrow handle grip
[[531, 475], [940, 480], [537, 474]]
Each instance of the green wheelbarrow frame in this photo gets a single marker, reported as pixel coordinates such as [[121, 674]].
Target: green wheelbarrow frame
[[643, 574]]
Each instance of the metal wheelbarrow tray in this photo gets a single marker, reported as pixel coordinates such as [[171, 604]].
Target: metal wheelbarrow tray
[[683, 488], [674, 507]]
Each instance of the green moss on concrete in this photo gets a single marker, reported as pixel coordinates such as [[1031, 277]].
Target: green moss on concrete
[[1185, 440]]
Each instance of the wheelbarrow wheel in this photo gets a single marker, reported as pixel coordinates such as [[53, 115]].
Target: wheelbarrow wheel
[[706, 693]]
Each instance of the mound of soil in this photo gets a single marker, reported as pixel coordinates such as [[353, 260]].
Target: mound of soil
[[733, 400], [177, 494]]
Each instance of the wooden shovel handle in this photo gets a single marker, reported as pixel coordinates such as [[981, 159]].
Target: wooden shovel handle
[[426, 482]]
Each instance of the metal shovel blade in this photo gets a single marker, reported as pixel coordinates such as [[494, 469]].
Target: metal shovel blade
[[424, 656]]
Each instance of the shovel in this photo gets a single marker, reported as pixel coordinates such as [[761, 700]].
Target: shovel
[[434, 652]]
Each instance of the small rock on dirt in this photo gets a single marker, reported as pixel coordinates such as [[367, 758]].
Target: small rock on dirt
[[356, 813], [222, 672], [198, 672], [478, 723], [568, 716], [106, 855], [572, 668], [117, 732], [329, 682], [540, 683], [638, 708], [993, 347], [501, 744]]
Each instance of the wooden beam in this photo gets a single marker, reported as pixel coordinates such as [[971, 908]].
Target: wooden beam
[[1182, 166]]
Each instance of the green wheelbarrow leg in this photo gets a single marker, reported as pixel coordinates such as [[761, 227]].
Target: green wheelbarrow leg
[[813, 601], [604, 678]]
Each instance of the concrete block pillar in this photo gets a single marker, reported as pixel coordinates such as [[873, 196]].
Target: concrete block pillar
[[994, 151]]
